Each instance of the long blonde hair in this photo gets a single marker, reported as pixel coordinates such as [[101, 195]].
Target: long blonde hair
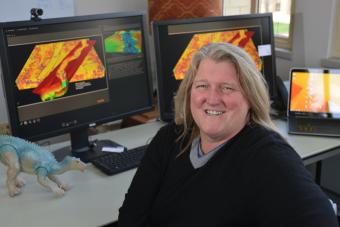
[[252, 83]]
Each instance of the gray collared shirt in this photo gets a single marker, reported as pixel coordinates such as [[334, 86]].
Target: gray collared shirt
[[197, 158]]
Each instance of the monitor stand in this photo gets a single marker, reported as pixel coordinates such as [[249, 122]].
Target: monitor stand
[[82, 148]]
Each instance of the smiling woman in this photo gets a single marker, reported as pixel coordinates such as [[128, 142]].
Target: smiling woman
[[216, 66], [221, 163], [217, 103]]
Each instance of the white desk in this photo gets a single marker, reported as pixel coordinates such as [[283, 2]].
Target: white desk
[[310, 148], [94, 198]]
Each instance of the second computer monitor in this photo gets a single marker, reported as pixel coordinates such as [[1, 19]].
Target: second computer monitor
[[177, 40]]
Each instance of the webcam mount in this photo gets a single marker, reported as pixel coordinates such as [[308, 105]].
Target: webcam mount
[[36, 13]]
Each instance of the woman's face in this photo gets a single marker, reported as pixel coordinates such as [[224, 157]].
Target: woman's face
[[217, 103]]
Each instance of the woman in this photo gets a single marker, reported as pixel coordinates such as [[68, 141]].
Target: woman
[[221, 163]]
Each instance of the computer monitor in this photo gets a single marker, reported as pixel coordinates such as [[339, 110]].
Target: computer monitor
[[177, 40], [314, 101], [65, 75]]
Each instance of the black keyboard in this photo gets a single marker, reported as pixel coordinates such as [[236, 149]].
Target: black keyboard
[[113, 163]]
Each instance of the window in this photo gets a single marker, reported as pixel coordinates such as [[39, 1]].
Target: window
[[282, 16]]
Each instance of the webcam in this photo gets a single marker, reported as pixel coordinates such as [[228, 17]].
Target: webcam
[[36, 13]]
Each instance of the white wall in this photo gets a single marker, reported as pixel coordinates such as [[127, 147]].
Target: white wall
[[312, 35], [83, 7]]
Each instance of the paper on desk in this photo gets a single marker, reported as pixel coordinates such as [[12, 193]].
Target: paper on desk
[[118, 149]]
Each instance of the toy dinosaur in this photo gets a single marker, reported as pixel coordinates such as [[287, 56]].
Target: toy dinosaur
[[20, 155]]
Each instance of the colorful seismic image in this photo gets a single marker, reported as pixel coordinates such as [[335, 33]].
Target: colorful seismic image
[[315, 92], [124, 42], [51, 67], [241, 38]]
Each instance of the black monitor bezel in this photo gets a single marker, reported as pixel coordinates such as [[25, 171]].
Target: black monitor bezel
[[9, 91], [168, 116]]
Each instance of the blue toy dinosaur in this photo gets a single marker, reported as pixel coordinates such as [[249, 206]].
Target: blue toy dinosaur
[[20, 155]]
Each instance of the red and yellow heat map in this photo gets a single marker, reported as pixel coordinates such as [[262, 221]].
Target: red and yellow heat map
[[51, 67], [315, 92], [241, 38]]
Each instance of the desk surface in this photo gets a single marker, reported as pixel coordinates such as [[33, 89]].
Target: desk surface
[[94, 198]]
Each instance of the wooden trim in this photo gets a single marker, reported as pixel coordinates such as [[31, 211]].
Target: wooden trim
[[254, 6], [335, 52]]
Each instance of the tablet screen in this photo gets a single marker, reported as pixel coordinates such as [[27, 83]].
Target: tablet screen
[[315, 93]]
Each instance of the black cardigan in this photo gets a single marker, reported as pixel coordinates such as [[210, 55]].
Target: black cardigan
[[256, 179]]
